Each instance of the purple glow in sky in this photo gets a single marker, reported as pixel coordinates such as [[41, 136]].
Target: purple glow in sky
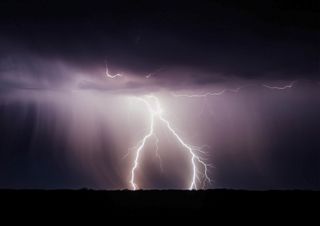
[[159, 97], [96, 123]]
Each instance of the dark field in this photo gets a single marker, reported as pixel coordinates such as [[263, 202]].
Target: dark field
[[165, 202]]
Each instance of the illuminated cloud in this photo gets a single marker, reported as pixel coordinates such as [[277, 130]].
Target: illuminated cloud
[[241, 86]]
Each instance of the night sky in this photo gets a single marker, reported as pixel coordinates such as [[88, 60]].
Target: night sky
[[64, 124]]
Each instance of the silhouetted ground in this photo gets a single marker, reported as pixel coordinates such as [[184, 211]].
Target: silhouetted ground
[[212, 203]]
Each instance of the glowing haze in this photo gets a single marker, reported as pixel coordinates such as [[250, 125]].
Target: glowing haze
[[130, 132]]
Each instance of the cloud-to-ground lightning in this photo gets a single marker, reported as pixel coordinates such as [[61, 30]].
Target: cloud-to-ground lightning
[[110, 75], [199, 166], [156, 112], [142, 143]]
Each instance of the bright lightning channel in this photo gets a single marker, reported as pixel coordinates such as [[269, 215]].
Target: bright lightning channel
[[209, 93], [110, 75], [156, 112], [290, 85], [236, 90]]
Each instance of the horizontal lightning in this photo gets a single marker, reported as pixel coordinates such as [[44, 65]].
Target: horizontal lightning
[[110, 75], [207, 94], [289, 86]]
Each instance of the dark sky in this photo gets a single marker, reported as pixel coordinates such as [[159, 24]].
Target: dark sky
[[265, 38], [207, 42]]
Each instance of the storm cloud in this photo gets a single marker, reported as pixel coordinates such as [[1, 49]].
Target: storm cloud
[[64, 123]]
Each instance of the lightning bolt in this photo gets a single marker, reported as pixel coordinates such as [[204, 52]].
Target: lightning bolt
[[156, 112], [199, 166], [289, 86], [142, 143], [236, 90], [110, 75]]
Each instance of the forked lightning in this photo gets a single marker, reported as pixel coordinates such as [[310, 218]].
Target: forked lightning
[[156, 112]]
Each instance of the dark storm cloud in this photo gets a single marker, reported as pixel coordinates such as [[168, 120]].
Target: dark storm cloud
[[248, 41]]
